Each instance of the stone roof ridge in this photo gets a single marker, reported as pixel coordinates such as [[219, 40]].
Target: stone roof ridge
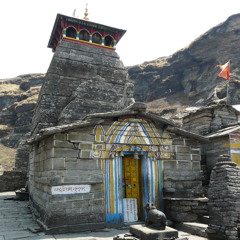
[[98, 118], [186, 133], [137, 108], [224, 131], [193, 110], [45, 132]]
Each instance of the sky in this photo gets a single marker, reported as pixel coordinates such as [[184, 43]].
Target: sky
[[155, 28]]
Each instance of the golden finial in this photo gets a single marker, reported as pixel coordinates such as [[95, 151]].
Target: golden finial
[[86, 13]]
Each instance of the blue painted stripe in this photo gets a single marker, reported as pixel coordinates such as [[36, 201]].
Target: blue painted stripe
[[145, 187], [160, 184], [149, 180], [107, 185], [121, 132], [114, 218], [146, 132], [121, 184], [116, 184], [152, 180]]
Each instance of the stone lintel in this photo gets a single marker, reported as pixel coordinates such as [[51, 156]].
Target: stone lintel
[[145, 233]]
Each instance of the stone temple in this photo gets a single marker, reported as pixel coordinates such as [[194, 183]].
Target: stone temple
[[85, 74], [97, 157]]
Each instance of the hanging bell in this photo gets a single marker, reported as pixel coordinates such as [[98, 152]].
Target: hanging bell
[[135, 155], [142, 152], [121, 154], [117, 154], [113, 155]]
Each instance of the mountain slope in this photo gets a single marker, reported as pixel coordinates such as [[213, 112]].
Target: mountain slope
[[192, 72], [18, 97], [168, 84]]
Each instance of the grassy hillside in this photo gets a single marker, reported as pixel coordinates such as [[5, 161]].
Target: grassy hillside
[[7, 158]]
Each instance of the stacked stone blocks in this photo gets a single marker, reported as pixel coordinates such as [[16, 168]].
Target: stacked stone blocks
[[182, 174], [80, 80], [224, 200], [65, 159], [186, 209]]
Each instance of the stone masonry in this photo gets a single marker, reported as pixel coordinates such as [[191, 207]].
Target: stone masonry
[[65, 159], [80, 80], [182, 174], [224, 200], [180, 209], [210, 119], [72, 154]]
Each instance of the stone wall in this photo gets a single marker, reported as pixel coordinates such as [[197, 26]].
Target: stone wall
[[224, 200], [185, 209], [92, 153], [81, 79], [183, 175], [65, 159], [212, 150], [12, 180], [198, 122], [210, 119]]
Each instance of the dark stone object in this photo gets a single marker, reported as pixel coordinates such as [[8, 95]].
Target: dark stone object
[[155, 218], [22, 195]]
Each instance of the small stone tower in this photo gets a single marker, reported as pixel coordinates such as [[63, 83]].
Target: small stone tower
[[85, 75]]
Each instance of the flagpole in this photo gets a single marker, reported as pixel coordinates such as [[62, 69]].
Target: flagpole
[[227, 93]]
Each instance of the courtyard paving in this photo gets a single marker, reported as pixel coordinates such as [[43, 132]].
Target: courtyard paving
[[16, 223]]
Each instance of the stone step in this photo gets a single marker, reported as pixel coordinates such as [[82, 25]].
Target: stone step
[[204, 219], [194, 228]]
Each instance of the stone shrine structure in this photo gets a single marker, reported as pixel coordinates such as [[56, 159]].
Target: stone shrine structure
[[97, 157], [85, 74], [81, 173], [88, 171], [224, 200], [220, 124]]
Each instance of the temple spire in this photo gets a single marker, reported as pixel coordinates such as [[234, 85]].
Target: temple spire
[[86, 13]]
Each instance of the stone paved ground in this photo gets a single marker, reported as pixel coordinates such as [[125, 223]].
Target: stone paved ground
[[16, 220]]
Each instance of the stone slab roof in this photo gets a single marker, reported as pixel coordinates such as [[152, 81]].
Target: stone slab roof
[[198, 110], [224, 131], [137, 110]]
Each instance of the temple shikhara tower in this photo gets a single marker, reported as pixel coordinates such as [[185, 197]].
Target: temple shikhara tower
[[85, 74]]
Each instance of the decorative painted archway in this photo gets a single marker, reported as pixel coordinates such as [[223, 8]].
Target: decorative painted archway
[[124, 137]]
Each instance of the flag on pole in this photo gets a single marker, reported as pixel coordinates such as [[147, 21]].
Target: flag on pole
[[225, 73]]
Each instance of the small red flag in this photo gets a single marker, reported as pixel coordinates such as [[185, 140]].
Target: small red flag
[[225, 73]]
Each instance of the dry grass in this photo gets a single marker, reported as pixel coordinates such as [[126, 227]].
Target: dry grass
[[175, 102], [6, 89], [4, 127], [7, 157], [32, 97], [170, 107]]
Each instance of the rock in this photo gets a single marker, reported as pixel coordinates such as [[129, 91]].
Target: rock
[[18, 98], [192, 70], [172, 83]]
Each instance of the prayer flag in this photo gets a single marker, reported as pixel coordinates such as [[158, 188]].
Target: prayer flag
[[225, 73]]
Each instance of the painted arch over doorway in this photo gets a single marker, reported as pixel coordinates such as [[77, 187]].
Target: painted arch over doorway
[[123, 138]]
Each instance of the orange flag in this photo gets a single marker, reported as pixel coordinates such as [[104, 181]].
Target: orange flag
[[225, 73]]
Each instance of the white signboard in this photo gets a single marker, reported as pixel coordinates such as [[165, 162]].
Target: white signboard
[[130, 209], [70, 189]]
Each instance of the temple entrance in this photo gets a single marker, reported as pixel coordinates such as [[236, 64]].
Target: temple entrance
[[132, 187]]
